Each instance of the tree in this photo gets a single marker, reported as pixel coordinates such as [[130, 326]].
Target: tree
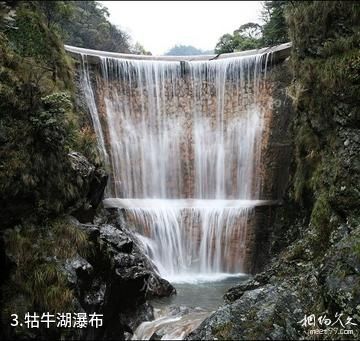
[[252, 36], [246, 37], [139, 49], [84, 24], [226, 44], [185, 50], [55, 11], [275, 28], [250, 30]]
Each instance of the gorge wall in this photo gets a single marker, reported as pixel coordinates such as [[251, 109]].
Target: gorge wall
[[314, 266]]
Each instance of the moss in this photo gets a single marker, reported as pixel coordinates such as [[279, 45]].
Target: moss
[[295, 252], [320, 220], [325, 61], [307, 160], [356, 247], [222, 331]]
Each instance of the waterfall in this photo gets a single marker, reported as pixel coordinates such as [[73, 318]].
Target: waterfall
[[183, 142]]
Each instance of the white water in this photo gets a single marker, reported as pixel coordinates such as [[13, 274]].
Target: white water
[[193, 241], [170, 326], [184, 151]]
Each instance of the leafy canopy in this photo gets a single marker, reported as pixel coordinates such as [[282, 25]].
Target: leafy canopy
[[253, 36]]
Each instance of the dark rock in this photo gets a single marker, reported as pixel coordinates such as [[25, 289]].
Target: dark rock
[[340, 275], [93, 232], [78, 268], [117, 235], [117, 239], [159, 287], [144, 312], [97, 187], [81, 165], [236, 292], [91, 182], [155, 336], [268, 312], [94, 297], [120, 281]]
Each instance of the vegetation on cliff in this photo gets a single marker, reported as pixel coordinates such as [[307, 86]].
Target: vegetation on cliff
[[85, 24], [39, 128], [315, 263], [38, 124]]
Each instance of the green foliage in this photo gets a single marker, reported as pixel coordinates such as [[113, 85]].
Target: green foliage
[[50, 124], [85, 140], [244, 38], [34, 160], [322, 29], [84, 24], [37, 46], [38, 128], [275, 30], [139, 49], [330, 65], [39, 253], [326, 64], [37, 125], [185, 50], [320, 221], [250, 36], [307, 159]]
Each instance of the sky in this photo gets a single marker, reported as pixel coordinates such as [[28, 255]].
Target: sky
[[159, 25]]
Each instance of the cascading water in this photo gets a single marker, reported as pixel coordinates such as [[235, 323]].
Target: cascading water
[[183, 140]]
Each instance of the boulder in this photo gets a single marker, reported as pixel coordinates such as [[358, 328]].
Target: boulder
[[115, 279], [267, 312]]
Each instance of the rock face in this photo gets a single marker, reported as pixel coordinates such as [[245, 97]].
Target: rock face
[[261, 308], [273, 304], [315, 236], [91, 182], [116, 280]]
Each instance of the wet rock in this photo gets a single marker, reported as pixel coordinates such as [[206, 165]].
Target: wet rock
[[268, 312], [113, 236], [114, 279], [91, 181], [159, 287], [144, 313], [236, 292], [340, 274], [94, 297], [117, 236], [81, 165], [155, 336], [78, 269]]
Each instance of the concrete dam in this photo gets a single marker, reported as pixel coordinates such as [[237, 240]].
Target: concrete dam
[[196, 159]]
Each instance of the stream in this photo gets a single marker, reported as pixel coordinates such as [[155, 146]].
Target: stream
[[197, 297]]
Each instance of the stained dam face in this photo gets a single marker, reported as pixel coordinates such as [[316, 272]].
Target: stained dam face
[[184, 143]]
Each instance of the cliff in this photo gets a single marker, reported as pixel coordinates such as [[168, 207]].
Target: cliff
[[57, 255], [315, 260]]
